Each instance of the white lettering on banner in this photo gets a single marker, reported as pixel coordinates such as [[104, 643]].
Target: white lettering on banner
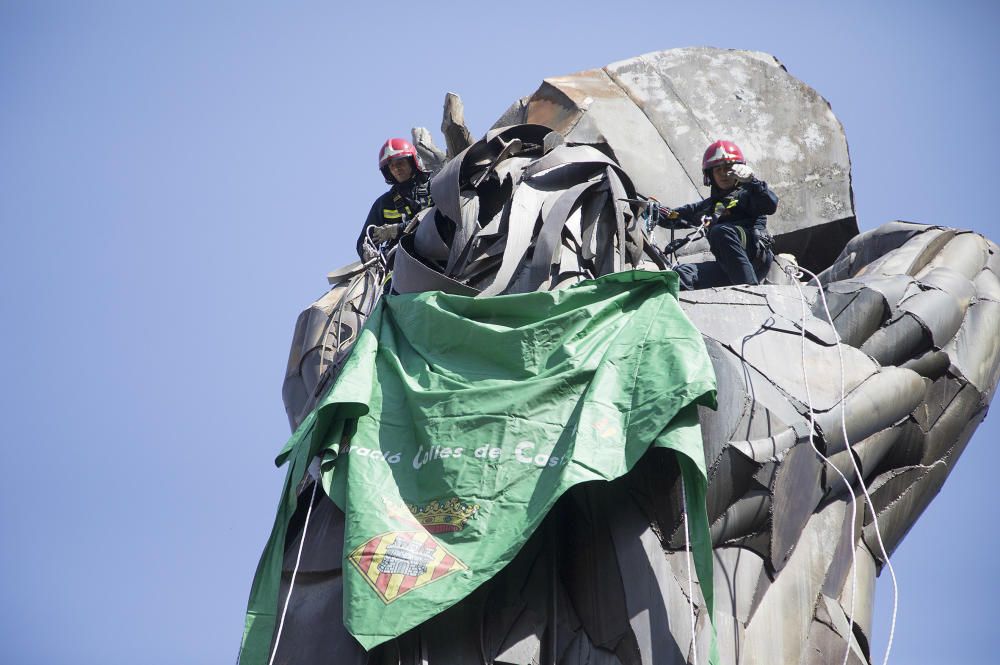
[[524, 453], [483, 452], [434, 452], [377, 455]]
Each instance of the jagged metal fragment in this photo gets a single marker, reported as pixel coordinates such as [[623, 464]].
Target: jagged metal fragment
[[431, 155], [456, 134], [890, 390], [972, 355], [826, 641], [858, 595]]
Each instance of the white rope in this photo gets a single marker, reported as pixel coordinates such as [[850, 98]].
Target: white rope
[[295, 571], [687, 558], [850, 453], [812, 429]]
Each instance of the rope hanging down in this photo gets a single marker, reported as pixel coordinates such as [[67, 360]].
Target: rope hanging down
[[687, 559], [295, 571], [796, 273]]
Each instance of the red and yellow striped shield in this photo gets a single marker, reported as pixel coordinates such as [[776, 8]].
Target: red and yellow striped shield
[[397, 562]]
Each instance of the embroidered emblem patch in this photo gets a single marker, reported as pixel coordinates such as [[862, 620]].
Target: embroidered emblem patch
[[398, 562]]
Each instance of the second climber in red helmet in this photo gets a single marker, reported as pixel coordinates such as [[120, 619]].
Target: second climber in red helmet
[[409, 194], [737, 211]]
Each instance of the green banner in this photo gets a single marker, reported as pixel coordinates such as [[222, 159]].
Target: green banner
[[465, 419]]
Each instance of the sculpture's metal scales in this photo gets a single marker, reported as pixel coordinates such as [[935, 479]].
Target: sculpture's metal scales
[[916, 308]]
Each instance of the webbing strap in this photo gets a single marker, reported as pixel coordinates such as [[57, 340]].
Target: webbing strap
[[568, 154], [409, 275], [549, 237], [428, 243], [465, 229], [617, 193], [524, 208], [591, 215], [445, 187]]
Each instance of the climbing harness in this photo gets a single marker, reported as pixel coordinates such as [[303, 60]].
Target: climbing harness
[[671, 248]]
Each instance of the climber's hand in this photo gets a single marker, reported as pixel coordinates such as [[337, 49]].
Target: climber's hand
[[742, 172], [386, 232]]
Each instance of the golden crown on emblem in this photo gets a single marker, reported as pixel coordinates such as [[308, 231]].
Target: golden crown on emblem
[[443, 516]]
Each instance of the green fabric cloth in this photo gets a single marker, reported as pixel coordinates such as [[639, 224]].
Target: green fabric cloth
[[457, 423]]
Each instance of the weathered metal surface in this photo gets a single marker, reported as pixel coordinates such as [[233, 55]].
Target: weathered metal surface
[[825, 643], [858, 595], [780, 624], [915, 314], [773, 504], [657, 112], [323, 335], [456, 134], [432, 156], [657, 609]]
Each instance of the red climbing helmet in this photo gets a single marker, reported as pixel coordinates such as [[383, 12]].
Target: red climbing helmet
[[398, 149], [720, 152]]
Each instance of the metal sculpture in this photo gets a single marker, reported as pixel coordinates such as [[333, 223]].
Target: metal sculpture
[[844, 401]]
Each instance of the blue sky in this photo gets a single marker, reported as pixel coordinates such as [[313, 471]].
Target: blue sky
[[176, 180]]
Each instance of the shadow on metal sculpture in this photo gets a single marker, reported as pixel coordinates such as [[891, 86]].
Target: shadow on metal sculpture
[[810, 414]]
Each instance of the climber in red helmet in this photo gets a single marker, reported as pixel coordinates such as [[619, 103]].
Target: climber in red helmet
[[410, 193], [736, 212]]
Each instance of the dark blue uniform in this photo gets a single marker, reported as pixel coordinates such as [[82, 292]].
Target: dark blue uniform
[[404, 199], [737, 235]]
